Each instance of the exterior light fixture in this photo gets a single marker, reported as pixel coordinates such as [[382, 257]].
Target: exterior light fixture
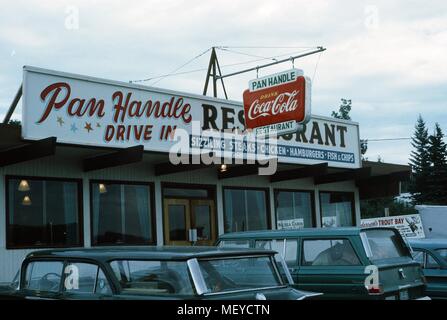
[[223, 167], [23, 185], [102, 188], [26, 201]]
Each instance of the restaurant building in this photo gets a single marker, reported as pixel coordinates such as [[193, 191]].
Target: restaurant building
[[91, 165]]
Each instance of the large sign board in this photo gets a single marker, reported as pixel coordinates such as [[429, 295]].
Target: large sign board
[[278, 103], [84, 110], [409, 226]]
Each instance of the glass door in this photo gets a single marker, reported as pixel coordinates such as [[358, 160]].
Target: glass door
[[177, 221], [189, 222], [203, 220]]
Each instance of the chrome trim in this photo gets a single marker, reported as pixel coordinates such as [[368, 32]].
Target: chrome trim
[[286, 271], [366, 245], [424, 298], [244, 290], [310, 295], [197, 277]]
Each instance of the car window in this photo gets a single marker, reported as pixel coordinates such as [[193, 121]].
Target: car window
[[82, 278], [102, 284], [228, 274], [291, 253], [431, 262], [329, 252], [153, 277], [442, 253], [385, 244], [44, 276], [273, 244], [419, 256], [234, 243]]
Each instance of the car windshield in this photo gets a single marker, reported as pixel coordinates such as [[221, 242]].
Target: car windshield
[[442, 253], [384, 244], [235, 274], [144, 277]]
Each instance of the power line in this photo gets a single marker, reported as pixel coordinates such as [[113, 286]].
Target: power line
[[204, 69], [245, 54], [268, 47], [386, 139], [174, 71]]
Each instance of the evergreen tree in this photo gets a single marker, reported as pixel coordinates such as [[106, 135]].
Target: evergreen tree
[[437, 179], [420, 163]]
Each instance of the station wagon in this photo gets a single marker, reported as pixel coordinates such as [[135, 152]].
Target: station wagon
[[341, 262], [153, 273], [432, 255]]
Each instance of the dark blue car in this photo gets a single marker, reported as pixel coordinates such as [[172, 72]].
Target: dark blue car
[[432, 255]]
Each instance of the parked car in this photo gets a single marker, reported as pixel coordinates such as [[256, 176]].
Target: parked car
[[153, 273], [432, 255], [339, 262]]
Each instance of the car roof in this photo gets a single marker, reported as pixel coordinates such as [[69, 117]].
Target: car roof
[[431, 243], [145, 252], [340, 231]]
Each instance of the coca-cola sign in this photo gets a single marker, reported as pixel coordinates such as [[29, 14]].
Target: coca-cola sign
[[277, 104]]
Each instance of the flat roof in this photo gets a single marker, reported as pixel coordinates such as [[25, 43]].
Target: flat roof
[[294, 232], [146, 252], [339, 231], [431, 243]]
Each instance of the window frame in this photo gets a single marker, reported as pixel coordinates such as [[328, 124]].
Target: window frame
[[267, 202], [301, 253], [80, 204], [352, 198], [24, 272], [152, 217], [313, 217], [211, 190], [426, 254]]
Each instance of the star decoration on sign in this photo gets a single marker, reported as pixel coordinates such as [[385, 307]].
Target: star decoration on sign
[[88, 127], [61, 121], [73, 127], [98, 125]]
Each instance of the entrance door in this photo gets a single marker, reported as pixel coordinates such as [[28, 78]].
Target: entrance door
[[186, 220]]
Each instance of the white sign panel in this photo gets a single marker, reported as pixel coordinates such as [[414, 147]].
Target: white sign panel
[[290, 224], [84, 110], [273, 80], [409, 226]]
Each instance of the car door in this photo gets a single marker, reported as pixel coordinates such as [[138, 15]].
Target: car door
[[332, 266], [435, 275]]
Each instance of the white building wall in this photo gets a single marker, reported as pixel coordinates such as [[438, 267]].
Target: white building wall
[[68, 164]]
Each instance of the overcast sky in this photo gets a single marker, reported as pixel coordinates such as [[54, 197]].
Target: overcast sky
[[389, 57]]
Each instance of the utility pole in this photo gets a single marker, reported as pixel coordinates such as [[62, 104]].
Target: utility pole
[[213, 67]]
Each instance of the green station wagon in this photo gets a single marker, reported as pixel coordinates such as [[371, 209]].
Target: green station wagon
[[432, 255], [153, 273], [342, 263]]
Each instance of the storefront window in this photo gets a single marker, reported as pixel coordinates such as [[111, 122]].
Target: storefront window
[[337, 209], [294, 209], [121, 214], [245, 209], [43, 213]]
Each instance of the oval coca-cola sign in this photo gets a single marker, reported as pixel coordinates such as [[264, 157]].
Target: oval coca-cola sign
[[279, 108]]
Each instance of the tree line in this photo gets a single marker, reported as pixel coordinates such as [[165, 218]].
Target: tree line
[[428, 161]]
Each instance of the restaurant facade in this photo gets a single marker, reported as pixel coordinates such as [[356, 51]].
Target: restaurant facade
[[105, 163]]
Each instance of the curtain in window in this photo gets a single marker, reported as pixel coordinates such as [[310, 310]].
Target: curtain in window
[[95, 210], [143, 210]]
